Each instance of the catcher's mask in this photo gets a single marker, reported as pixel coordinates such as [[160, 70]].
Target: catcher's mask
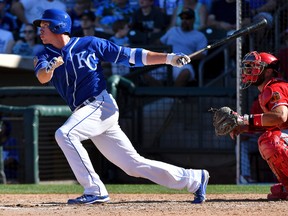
[[252, 66]]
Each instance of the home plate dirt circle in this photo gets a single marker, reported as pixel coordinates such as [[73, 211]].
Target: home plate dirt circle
[[143, 205]]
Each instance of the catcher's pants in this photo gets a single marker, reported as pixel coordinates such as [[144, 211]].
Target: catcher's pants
[[98, 121], [273, 148]]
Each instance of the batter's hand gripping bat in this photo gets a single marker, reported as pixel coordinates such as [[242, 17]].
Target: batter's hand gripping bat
[[241, 32], [54, 63]]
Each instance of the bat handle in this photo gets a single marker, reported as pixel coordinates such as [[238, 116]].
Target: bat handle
[[181, 61], [192, 55]]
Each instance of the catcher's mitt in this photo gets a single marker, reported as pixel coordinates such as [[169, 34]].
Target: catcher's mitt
[[225, 120]]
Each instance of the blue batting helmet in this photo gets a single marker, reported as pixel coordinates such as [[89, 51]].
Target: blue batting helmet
[[60, 21]]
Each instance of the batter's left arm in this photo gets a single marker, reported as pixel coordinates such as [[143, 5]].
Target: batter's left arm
[[174, 59], [137, 57]]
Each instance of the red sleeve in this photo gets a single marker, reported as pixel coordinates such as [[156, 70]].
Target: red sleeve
[[279, 95]]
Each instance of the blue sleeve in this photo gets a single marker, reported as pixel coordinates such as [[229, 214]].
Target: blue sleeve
[[40, 61], [111, 52], [138, 58]]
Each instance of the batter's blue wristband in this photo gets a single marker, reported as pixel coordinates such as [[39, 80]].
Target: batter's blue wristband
[[138, 57]]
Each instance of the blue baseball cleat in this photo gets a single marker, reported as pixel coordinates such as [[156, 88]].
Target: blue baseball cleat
[[89, 199], [200, 194]]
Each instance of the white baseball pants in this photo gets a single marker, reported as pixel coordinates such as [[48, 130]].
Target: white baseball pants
[[98, 121]]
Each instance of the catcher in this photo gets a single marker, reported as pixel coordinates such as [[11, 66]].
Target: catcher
[[261, 70]]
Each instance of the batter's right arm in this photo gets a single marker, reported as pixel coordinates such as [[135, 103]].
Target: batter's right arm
[[45, 74]]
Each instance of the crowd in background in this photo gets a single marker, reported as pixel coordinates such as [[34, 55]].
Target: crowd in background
[[138, 23], [148, 19]]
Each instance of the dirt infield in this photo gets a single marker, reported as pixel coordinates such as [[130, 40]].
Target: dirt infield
[[143, 205]]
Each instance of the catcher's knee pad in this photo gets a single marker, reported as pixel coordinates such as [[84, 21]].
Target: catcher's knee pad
[[268, 143], [274, 150]]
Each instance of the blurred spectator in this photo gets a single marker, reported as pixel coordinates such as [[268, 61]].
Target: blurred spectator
[[76, 12], [147, 24], [7, 20], [222, 22], [134, 4], [8, 4], [109, 12], [207, 3], [168, 7], [6, 41], [27, 11], [97, 3], [28, 46], [10, 152], [262, 6], [200, 13], [223, 15], [89, 28], [283, 54], [263, 38], [69, 4], [155, 77], [121, 29], [187, 40]]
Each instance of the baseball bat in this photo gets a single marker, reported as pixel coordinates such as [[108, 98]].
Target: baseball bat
[[241, 32]]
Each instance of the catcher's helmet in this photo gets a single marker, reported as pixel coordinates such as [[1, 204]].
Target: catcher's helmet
[[253, 64], [60, 21]]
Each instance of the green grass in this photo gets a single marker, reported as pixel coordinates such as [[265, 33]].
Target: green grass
[[127, 189]]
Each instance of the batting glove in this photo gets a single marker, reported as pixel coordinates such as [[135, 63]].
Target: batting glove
[[177, 59], [54, 63]]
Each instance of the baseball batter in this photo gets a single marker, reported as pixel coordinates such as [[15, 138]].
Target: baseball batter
[[73, 66]]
